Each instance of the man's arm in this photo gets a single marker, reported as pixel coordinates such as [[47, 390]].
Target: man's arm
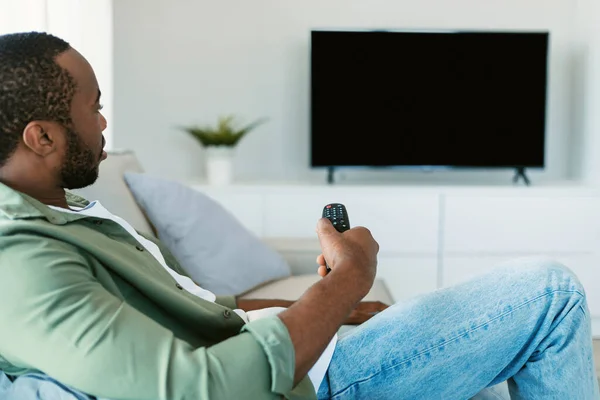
[[61, 320], [257, 304], [362, 313]]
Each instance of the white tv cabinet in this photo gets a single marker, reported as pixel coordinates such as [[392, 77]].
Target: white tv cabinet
[[434, 236]]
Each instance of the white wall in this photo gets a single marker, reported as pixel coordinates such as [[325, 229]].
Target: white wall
[[187, 61], [587, 90]]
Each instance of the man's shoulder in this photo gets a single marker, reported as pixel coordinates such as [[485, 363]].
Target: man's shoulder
[[29, 238], [29, 226], [24, 226], [35, 256], [40, 234]]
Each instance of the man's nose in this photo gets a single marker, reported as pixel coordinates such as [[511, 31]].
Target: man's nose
[[103, 122]]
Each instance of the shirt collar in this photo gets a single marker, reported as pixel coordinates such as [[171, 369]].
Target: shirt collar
[[15, 205]]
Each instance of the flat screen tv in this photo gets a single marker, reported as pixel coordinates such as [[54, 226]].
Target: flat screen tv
[[428, 99]]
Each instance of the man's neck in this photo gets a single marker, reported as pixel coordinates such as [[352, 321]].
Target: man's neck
[[36, 187], [58, 200]]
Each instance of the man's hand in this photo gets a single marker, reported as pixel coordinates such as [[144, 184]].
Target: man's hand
[[355, 248], [365, 311], [316, 317]]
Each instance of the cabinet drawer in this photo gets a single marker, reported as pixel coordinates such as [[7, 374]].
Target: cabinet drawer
[[399, 224], [520, 224]]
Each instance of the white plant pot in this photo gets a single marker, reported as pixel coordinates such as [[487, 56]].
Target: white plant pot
[[219, 165]]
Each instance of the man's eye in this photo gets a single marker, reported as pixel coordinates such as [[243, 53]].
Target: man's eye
[[100, 107]]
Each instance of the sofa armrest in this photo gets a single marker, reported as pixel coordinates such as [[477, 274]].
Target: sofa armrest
[[301, 254]]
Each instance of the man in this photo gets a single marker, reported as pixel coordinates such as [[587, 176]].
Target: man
[[106, 311]]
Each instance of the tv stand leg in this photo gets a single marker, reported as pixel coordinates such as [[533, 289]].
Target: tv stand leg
[[330, 175], [520, 174]]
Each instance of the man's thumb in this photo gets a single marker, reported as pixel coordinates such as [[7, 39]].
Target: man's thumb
[[325, 228]]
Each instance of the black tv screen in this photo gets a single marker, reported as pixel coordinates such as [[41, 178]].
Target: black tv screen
[[414, 98]]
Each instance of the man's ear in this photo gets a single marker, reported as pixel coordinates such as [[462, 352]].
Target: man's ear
[[40, 137]]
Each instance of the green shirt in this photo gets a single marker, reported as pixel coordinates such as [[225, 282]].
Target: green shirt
[[85, 303]]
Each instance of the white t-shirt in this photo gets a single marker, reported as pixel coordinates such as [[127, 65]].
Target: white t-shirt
[[95, 209]]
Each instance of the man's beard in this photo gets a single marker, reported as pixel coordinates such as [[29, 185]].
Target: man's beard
[[80, 168]]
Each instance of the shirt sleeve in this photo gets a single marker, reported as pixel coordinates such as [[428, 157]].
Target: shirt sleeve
[[60, 320]]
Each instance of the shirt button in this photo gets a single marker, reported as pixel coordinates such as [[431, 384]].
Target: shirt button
[[178, 286], [227, 314], [98, 222], [140, 248]]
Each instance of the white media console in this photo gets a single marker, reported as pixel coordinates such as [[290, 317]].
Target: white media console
[[434, 236]]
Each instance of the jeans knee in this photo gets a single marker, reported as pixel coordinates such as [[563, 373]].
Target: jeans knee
[[557, 275]]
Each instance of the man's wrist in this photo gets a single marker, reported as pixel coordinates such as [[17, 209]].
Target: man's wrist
[[352, 279], [257, 304]]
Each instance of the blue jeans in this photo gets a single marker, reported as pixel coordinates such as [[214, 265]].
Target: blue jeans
[[527, 323], [37, 387]]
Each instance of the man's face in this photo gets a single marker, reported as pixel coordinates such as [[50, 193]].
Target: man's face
[[84, 142]]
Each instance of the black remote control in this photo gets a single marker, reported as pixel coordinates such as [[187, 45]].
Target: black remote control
[[338, 215]]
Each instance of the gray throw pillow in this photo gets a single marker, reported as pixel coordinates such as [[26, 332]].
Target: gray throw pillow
[[218, 252]]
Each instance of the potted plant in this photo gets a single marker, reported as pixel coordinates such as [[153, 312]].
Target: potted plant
[[219, 142]]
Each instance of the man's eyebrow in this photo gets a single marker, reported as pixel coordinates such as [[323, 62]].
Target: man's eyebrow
[[99, 94]]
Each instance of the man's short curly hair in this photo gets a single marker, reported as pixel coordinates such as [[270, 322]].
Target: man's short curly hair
[[32, 86]]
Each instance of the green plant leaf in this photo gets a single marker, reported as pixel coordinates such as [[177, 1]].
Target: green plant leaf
[[224, 133]]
